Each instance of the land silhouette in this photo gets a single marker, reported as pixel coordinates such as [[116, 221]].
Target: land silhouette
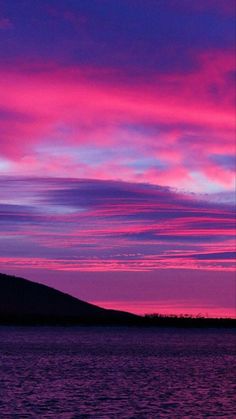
[[23, 302], [26, 302]]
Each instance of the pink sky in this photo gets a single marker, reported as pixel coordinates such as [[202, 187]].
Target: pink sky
[[117, 151]]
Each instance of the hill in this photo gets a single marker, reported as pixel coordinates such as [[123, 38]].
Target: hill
[[23, 302], [26, 302]]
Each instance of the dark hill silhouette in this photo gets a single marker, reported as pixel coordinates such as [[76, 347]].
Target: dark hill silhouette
[[23, 301]]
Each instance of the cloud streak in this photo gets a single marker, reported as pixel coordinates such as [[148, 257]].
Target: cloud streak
[[155, 132], [91, 225]]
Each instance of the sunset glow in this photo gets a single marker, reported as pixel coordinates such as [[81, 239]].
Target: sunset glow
[[117, 151]]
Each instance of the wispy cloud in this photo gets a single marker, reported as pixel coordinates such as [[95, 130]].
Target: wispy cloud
[[157, 134], [93, 225]]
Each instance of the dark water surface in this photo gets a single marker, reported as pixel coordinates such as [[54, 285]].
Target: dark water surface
[[105, 372]]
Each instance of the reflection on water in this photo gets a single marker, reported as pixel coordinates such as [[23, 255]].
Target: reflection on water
[[116, 373]]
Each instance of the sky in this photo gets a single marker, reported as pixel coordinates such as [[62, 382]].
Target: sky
[[117, 151]]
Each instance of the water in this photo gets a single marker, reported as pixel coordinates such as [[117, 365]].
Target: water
[[116, 373]]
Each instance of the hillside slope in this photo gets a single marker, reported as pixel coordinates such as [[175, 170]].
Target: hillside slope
[[23, 301]]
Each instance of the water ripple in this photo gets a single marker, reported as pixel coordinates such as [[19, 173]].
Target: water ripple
[[116, 373]]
